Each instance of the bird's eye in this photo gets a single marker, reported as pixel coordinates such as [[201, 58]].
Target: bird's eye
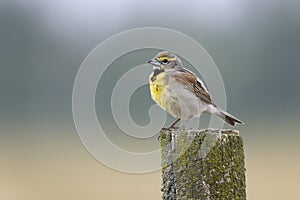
[[165, 61]]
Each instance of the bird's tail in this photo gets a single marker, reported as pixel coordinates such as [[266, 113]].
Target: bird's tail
[[228, 118]]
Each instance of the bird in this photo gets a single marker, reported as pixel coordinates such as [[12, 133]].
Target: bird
[[180, 92]]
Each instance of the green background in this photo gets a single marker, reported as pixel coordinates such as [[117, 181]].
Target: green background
[[255, 44]]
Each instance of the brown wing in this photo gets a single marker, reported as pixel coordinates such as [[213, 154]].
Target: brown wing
[[194, 84]]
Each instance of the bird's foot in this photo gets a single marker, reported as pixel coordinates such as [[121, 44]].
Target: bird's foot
[[171, 128]]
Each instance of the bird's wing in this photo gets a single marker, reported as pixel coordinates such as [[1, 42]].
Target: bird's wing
[[194, 84]]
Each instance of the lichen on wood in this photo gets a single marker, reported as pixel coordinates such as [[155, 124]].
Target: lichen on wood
[[202, 164]]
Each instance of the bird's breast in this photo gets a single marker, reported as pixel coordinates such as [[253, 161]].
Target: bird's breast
[[158, 87]]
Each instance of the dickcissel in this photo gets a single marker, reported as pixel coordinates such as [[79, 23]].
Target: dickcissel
[[180, 92]]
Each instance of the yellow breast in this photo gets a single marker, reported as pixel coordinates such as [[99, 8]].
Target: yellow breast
[[157, 88]]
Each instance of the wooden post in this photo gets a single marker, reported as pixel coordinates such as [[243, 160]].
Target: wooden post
[[202, 164]]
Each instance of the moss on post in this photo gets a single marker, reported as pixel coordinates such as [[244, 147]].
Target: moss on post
[[202, 164]]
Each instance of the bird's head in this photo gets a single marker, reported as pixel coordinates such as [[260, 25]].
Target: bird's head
[[166, 61]]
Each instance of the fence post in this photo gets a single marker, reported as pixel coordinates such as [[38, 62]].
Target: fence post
[[202, 164]]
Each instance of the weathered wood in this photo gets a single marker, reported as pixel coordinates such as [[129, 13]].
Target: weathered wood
[[202, 164]]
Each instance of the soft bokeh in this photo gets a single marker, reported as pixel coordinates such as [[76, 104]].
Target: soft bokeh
[[255, 44]]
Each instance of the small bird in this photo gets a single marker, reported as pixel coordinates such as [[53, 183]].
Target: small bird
[[180, 92]]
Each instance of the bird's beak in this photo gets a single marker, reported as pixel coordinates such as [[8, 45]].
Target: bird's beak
[[154, 62]]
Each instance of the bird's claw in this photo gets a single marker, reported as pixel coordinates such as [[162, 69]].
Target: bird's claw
[[171, 128]]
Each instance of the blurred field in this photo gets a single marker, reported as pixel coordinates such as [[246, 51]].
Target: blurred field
[[272, 160], [255, 45]]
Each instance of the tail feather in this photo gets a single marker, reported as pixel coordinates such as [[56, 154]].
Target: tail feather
[[228, 118]]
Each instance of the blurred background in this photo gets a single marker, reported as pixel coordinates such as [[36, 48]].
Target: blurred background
[[255, 44]]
